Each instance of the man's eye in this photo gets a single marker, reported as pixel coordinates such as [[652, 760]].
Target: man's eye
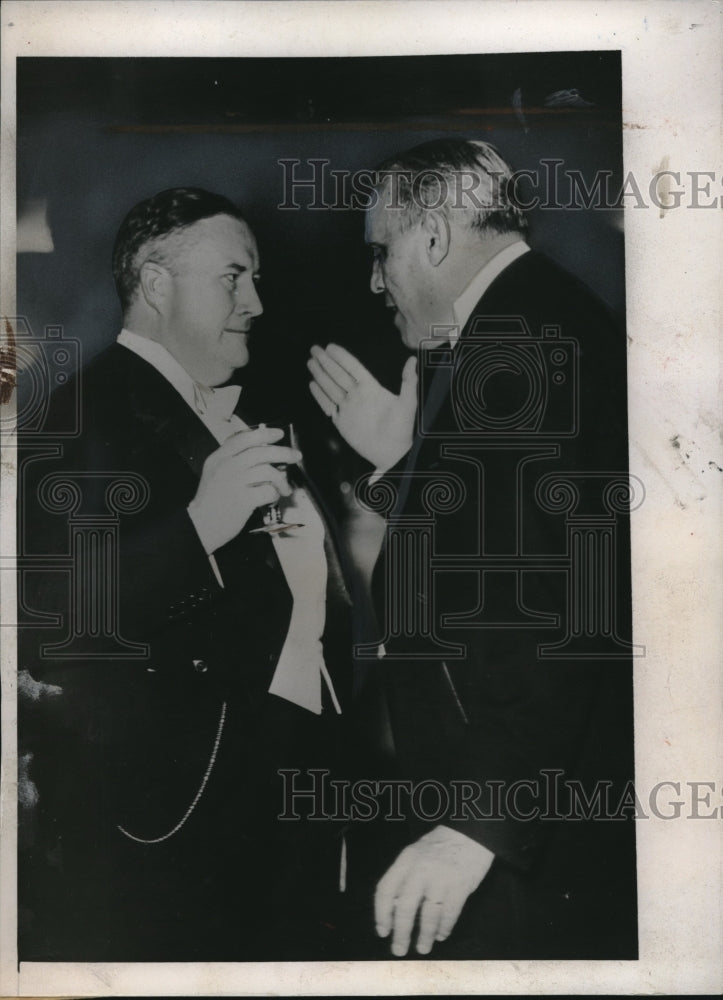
[[256, 278], [379, 254], [231, 279]]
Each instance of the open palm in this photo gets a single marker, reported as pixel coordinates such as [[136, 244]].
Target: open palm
[[376, 423]]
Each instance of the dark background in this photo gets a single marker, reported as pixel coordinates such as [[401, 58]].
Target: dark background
[[95, 136]]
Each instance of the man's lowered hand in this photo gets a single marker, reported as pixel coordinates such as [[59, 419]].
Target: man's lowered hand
[[433, 878]]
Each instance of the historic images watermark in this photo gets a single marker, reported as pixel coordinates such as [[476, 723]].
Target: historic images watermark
[[552, 186], [548, 796], [518, 440], [90, 627]]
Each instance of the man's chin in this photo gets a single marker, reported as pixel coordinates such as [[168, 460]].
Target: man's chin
[[241, 362], [402, 328], [409, 336], [237, 351]]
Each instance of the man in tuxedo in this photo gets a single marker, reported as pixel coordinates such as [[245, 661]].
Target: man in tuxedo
[[502, 590], [201, 652]]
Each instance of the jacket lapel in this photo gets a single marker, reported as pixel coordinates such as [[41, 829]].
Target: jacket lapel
[[437, 409], [162, 412]]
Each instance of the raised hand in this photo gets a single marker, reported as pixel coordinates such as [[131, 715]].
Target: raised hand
[[237, 478], [376, 423]]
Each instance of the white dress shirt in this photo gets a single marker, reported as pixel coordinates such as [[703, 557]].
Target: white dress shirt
[[300, 551], [480, 283]]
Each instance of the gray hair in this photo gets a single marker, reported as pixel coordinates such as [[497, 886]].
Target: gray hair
[[469, 177]]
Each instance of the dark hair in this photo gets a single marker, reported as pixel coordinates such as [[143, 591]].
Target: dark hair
[[432, 176], [151, 221]]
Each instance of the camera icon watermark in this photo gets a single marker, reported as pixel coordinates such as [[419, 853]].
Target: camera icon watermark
[[33, 368], [504, 380]]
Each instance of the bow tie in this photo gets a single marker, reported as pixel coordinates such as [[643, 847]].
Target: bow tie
[[219, 403]]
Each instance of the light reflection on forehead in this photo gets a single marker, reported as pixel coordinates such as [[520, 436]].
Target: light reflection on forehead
[[218, 242]]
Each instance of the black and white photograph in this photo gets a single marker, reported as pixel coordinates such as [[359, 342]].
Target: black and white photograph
[[335, 479]]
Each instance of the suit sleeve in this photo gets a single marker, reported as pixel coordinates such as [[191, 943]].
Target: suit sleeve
[[153, 568]]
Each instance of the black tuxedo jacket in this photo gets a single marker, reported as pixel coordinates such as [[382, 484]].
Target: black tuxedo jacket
[[533, 394], [180, 746]]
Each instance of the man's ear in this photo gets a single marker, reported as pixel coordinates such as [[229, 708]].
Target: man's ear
[[435, 227], [154, 284]]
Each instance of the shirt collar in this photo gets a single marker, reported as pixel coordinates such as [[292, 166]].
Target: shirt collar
[[195, 394], [481, 282]]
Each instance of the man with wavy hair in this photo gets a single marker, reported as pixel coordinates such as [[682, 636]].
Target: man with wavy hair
[[206, 653]]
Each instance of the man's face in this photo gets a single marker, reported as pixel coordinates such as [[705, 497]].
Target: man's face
[[213, 299], [401, 270]]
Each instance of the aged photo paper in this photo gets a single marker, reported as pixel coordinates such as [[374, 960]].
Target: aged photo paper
[[544, 485]]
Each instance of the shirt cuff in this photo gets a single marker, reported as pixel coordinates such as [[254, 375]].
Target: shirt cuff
[[211, 558], [216, 570]]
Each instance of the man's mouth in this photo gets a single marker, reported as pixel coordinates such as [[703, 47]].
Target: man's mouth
[[394, 310]]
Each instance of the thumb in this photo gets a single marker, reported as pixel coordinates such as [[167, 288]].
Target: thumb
[[408, 391]]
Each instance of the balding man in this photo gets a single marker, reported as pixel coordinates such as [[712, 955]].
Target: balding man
[[503, 589]]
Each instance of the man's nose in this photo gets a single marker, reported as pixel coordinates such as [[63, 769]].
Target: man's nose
[[377, 280], [250, 303]]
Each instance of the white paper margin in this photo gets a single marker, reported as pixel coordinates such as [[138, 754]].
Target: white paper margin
[[671, 58]]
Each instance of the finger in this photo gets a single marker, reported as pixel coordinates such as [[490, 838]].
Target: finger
[[450, 911], [387, 889], [429, 920], [335, 392], [405, 911], [332, 368], [264, 494], [276, 454], [329, 408], [349, 363], [242, 440], [260, 474], [270, 454]]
